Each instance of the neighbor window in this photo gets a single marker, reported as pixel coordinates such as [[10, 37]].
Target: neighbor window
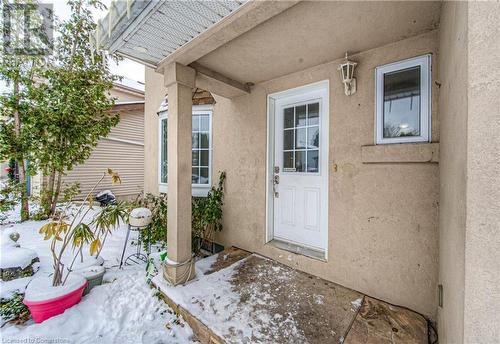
[[403, 101], [201, 150]]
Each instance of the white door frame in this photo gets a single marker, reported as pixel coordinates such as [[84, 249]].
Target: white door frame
[[270, 149]]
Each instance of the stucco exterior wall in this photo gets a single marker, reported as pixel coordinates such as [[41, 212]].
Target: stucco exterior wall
[[482, 254], [155, 92], [383, 236], [453, 168], [470, 173], [383, 217]]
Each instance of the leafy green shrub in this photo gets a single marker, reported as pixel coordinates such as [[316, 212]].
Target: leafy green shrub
[[10, 194], [206, 216], [14, 309], [156, 232]]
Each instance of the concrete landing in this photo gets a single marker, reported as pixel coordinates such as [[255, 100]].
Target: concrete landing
[[238, 297]]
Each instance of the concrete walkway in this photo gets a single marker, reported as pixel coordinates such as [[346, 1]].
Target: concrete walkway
[[240, 297]]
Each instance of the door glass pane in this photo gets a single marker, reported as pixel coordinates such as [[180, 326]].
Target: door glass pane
[[313, 114], [300, 138], [288, 160], [300, 161], [288, 140], [288, 118], [300, 116], [313, 137], [204, 123], [204, 158], [402, 103], [312, 161]]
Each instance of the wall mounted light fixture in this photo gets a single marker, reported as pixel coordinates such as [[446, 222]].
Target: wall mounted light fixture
[[347, 74]]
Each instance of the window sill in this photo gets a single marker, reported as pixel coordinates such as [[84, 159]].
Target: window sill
[[196, 190], [400, 153]]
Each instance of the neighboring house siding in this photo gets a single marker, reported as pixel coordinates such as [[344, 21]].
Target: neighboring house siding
[[126, 158], [131, 127]]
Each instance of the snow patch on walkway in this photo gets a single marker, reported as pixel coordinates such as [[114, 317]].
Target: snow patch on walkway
[[210, 298]]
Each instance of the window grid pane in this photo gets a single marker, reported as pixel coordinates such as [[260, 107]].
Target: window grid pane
[[164, 152], [301, 138], [200, 150]]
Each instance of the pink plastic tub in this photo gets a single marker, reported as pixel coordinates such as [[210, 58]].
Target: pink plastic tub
[[43, 310]]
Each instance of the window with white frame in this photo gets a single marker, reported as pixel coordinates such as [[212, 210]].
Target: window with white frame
[[201, 149], [403, 101]]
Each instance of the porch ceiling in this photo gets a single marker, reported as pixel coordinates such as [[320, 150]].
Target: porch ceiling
[[315, 32]]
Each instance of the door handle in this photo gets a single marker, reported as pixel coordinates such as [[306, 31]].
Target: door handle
[[276, 181]]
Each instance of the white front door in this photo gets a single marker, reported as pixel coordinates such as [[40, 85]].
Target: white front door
[[300, 171]]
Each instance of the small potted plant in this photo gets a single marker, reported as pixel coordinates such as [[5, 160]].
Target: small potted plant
[[49, 296]]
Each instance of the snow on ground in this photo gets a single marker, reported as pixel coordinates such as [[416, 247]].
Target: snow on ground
[[8, 289], [14, 215], [13, 257], [214, 300], [210, 298], [123, 310]]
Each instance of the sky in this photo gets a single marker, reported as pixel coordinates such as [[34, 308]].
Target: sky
[[126, 68]]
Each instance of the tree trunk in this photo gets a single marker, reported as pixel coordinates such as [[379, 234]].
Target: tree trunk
[[25, 210], [48, 194], [56, 194]]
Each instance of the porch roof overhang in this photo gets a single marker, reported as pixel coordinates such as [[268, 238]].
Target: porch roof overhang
[[150, 30], [157, 33], [241, 47]]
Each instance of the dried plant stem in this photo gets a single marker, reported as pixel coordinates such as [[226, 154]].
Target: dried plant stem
[[58, 266]]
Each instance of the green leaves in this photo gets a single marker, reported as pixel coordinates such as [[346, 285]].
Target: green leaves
[[82, 234], [206, 217], [110, 216], [14, 309]]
